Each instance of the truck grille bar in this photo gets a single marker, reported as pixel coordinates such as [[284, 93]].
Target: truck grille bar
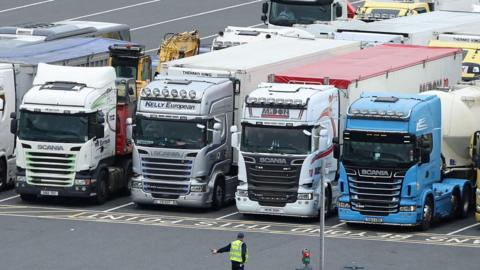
[[166, 177], [273, 184], [50, 169], [375, 195]]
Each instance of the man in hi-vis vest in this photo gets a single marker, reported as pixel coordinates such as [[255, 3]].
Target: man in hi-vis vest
[[238, 252]]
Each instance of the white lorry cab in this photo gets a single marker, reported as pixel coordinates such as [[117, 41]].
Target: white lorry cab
[[69, 129], [17, 70], [285, 148], [286, 13]]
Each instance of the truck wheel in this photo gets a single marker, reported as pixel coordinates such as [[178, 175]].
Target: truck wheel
[[218, 194], [455, 200], [3, 175], [128, 178], [328, 202], [427, 214], [28, 197], [102, 188], [465, 207]]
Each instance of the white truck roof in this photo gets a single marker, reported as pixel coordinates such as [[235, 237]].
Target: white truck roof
[[93, 77], [267, 52], [426, 23], [234, 35]]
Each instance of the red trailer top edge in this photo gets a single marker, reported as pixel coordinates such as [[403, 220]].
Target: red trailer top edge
[[364, 64]]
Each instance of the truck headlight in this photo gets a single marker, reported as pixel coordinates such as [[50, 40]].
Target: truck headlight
[[242, 193], [343, 205], [198, 188], [408, 208], [137, 184], [83, 182], [305, 196], [21, 178]]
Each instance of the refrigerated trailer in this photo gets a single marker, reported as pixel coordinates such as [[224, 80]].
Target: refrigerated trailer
[[182, 143], [18, 68], [415, 30], [386, 68]]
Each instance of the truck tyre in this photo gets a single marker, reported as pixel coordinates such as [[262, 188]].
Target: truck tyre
[[466, 202], [218, 196], [456, 202], [427, 214], [28, 197], [328, 202], [102, 188], [127, 177], [3, 175]]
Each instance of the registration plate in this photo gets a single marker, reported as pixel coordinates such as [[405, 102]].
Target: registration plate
[[49, 193], [165, 202], [271, 210], [374, 220]]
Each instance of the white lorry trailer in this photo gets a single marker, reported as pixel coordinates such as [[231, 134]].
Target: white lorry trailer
[[414, 30], [182, 151], [70, 126], [285, 149], [17, 70]]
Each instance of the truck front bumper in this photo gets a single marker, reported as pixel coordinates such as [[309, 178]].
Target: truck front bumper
[[192, 199], [72, 191], [300, 208], [398, 219]]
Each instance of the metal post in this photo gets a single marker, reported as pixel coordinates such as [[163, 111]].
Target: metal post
[[322, 215]]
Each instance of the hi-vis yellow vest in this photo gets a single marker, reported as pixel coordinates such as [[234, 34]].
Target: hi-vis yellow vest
[[236, 252]]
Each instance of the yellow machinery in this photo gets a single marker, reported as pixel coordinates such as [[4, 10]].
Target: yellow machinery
[[375, 10], [130, 61], [471, 56], [475, 154], [178, 45]]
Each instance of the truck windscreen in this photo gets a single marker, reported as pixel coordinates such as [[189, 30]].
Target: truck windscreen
[[306, 13], [168, 133], [278, 140], [49, 127], [378, 149]]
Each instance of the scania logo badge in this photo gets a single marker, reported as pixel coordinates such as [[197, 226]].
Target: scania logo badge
[[269, 160], [50, 147], [368, 172]]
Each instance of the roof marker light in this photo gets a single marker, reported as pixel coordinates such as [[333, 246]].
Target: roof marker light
[[183, 93], [165, 92], [192, 94], [174, 93]]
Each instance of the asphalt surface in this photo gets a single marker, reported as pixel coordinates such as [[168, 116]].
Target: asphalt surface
[[73, 234]]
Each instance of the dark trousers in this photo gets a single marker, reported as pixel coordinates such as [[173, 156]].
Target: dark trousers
[[237, 266]]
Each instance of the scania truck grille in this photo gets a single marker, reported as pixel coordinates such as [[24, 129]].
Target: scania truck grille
[[273, 184], [50, 169], [166, 178], [373, 194]]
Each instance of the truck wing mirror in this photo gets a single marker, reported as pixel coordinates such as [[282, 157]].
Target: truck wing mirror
[[100, 117], [424, 156], [99, 131], [13, 126], [2, 105], [217, 127], [265, 8], [336, 148], [338, 10]]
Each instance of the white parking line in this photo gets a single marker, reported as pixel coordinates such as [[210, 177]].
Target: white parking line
[[195, 15], [229, 215], [114, 9], [356, 2], [203, 38], [9, 198], [118, 207], [463, 229], [25, 6], [338, 225]]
